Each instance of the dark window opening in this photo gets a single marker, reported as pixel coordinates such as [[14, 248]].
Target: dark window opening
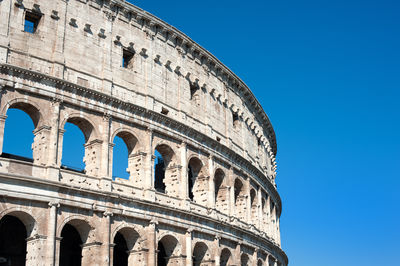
[[127, 57], [164, 111], [31, 22], [235, 119], [193, 89], [190, 181], [162, 259], [159, 172], [120, 257], [12, 241], [70, 247]]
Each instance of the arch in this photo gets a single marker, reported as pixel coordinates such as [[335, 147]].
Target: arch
[[70, 246], [13, 246], [23, 215], [260, 262], [83, 123], [194, 171], [27, 106], [226, 257], [120, 250], [131, 235], [124, 167], [129, 245], [253, 205], [164, 159], [130, 139], [91, 148], [239, 199], [220, 191], [201, 254], [168, 246], [244, 260], [81, 224], [22, 141]]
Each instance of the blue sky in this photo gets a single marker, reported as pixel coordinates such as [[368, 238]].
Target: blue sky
[[327, 75]]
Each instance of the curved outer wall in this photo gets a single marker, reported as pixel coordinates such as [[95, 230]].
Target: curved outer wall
[[113, 69]]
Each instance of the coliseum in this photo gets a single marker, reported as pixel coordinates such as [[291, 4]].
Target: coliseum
[[201, 150]]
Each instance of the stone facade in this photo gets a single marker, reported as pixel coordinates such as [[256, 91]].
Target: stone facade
[[113, 69]]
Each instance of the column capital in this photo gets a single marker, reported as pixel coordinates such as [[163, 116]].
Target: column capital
[[108, 214], [55, 203]]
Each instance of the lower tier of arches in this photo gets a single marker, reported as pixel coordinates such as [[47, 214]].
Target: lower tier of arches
[[39, 231]]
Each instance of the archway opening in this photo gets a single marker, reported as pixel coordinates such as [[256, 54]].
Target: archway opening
[[240, 201], [120, 159], [73, 148], [220, 195], [253, 204], [200, 254], [18, 134], [162, 259], [167, 247], [163, 157], [13, 236], [244, 260], [70, 247], [225, 257], [194, 168], [120, 256], [159, 172]]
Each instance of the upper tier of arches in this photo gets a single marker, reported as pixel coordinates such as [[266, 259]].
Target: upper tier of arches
[[167, 72]]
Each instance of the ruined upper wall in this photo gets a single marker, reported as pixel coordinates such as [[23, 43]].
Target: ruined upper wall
[[83, 41]]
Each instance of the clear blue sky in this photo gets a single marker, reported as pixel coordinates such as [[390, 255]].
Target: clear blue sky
[[328, 75]]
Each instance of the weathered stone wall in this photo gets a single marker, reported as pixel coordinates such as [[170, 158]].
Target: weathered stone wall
[[173, 97]]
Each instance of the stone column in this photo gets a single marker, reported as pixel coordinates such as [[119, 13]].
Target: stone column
[[217, 255], [2, 124], [189, 257], [107, 242], [149, 161], [259, 209], [60, 146], [54, 136], [57, 251], [211, 184], [248, 202], [231, 187], [184, 172], [51, 240], [104, 156], [268, 218], [236, 256], [53, 166], [152, 243], [255, 257]]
